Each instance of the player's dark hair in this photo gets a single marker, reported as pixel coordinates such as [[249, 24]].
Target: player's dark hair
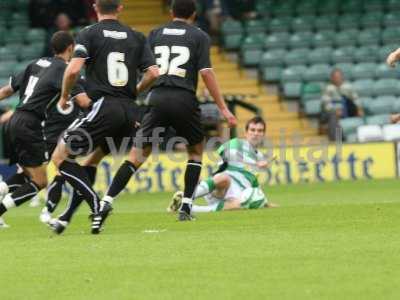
[[108, 6], [60, 41], [183, 8], [255, 120]]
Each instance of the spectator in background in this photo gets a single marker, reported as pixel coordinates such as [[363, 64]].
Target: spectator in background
[[339, 101], [62, 22]]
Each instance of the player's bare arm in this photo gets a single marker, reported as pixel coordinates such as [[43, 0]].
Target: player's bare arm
[[151, 75], [70, 76], [6, 91], [210, 81], [83, 100]]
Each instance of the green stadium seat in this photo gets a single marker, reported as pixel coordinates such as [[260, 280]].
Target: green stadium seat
[[373, 19], [313, 108], [271, 74], [277, 40], [364, 87], [4, 81], [369, 37], [389, 87], [364, 71], [381, 119], [308, 8], [311, 91], [254, 26], [282, 24], [393, 5], [374, 6], [346, 38], [273, 58], [251, 50], [381, 105], [366, 54], [396, 106], [300, 40], [31, 52], [301, 24], [391, 20], [263, 8], [35, 35], [364, 102], [352, 6], [346, 68], [283, 9], [293, 74], [328, 7], [7, 68], [384, 71], [320, 56], [343, 55], [297, 57], [384, 51], [322, 39], [319, 72], [19, 19], [7, 54], [391, 36], [231, 34], [15, 35], [325, 23], [291, 90], [349, 125], [349, 21]]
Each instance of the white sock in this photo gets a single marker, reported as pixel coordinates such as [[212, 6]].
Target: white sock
[[8, 201], [187, 201], [108, 199], [205, 208], [3, 188], [202, 189]]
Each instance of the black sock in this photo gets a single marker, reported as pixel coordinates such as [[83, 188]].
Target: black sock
[[76, 198], [15, 181], [54, 192], [192, 175], [3, 209], [25, 193], [79, 180], [121, 179]]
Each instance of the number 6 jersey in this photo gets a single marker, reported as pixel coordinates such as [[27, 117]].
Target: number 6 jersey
[[113, 52], [181, 50]]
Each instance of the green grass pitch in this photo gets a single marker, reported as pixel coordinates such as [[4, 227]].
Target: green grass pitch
[[326, 241]]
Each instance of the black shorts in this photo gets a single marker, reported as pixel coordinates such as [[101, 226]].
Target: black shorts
[[107, 125], [25, 140], [171, 107]]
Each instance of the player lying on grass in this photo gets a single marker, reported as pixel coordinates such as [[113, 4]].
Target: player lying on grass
[[39, 86], [234, 185]]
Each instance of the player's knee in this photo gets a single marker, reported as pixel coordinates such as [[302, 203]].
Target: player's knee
[[222, 181]]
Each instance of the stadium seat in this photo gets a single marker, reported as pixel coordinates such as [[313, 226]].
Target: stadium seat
[[19, 19], [301, 24], [387, 86], [7, 68], [350, 125], [346, 38], [320, 56], [273, 58], [16, 35], [254, 26], [396, 106], [300, 40], [349, 21], [4, 81], [384, 51], [231, 34], [313, 108], [393, 5], [364, 87], [328, 8], [319, 72], [277, 40], [391, 35], [381, 105], [369, 133], [384, 71], [380, 119], [35, 35], [271, 74], [308, 8], [293, 74], [7, 54], [322, 39], [32, 51], [283, 9], [251, 50], [347, 70], [374, 6], [364, 102], [343, 55], [372, 19], [391, 20], [364, 71], [391, 132], [280, 24], [325, 23], [297, 57], [369, 37], [352, 6], [366, 54], [291, 89], [311, 91]]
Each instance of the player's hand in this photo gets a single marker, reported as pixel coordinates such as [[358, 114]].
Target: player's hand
[[391, 59], [263, 164], [64, 106], [395, 118], [229, 117]]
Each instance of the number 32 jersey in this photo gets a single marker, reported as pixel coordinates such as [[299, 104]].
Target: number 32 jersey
[[181, 51], [114, 53]]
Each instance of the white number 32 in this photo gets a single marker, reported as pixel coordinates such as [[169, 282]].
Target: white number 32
[[172, 67]]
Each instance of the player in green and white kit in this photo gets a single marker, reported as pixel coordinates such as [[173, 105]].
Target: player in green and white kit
[[234, 185]]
